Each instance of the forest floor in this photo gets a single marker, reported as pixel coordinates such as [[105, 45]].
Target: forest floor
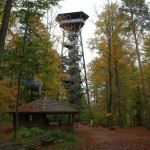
[[98, 138]]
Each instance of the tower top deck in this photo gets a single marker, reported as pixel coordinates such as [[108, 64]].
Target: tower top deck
[[73, 21]]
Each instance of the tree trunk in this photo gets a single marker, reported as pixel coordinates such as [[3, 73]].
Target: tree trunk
[[95, 95], [17, 105], [138, 107], [109, 105], [119, 101], [109, 102], [142, 80], [4, 27]]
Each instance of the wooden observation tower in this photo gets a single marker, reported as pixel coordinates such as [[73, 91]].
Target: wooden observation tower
[[73, 55]]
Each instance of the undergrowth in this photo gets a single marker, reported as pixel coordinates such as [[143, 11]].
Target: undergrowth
[[65, 140]]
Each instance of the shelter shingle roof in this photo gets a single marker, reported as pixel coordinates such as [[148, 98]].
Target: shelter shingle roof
[[45, 105]]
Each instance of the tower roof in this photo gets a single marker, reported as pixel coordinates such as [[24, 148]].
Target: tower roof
[[72, 21]]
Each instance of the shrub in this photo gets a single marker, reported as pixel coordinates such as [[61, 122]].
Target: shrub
[[4, 117], [36, 131], [63, 136], [26, 133]]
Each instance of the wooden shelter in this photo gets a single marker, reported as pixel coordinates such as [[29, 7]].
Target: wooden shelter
[[46, 114]]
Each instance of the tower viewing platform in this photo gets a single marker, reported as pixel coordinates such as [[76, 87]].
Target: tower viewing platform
[[73, 21]]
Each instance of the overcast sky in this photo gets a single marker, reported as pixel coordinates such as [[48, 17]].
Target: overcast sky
[[89, 7]]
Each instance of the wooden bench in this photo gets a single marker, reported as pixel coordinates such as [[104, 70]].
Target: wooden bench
[[47, 139], [11, 146]]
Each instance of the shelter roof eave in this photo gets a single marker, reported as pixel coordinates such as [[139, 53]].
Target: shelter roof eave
[[45, 106]]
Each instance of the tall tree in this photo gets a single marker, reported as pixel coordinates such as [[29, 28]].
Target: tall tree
[[4, 26], [137, 12], [146, 63], [109, 29], [39, 7]]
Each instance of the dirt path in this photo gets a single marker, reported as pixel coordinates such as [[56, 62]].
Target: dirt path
[[98, 138]]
